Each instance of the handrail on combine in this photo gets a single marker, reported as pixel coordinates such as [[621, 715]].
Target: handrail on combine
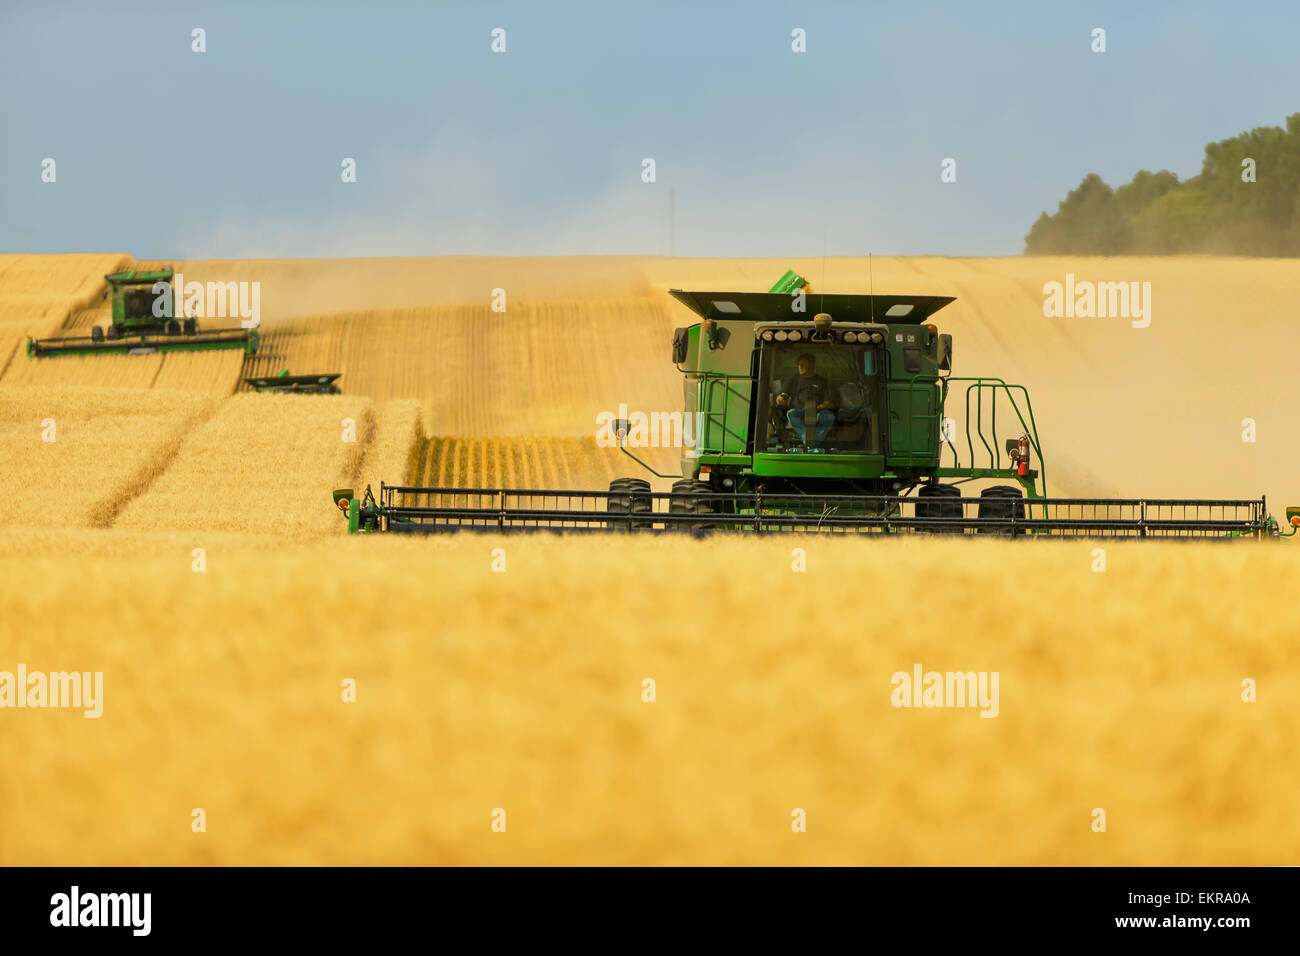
[[978, 384], [709, 379]]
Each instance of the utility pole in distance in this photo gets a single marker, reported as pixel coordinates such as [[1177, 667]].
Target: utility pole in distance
[[672, 222]]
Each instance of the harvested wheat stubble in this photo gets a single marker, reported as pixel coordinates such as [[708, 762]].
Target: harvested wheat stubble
[[390, 457], [108, 445], [264, 463], [542, 368], [548, 463]]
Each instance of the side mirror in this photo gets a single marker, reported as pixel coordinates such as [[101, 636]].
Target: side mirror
[[945, 352], [681, 341]]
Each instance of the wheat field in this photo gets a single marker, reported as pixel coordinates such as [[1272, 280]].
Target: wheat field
[[74, 455], [519, 686], [523, 690]]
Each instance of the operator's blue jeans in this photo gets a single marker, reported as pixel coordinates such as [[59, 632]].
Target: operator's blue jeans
[[825, 419]]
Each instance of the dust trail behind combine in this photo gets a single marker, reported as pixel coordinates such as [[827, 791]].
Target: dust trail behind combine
[[540, 369], [1122, 411]]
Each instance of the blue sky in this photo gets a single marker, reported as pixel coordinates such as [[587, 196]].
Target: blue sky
[[166, 153]]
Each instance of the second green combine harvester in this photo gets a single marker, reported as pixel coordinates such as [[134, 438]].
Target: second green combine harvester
[[833, 421], [141, 323]]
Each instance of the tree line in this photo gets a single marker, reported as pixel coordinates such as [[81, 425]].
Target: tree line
[[1246, 201]]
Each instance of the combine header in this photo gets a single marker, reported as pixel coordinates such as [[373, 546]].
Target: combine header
[[282, 381], [835, 423], [141, 324]]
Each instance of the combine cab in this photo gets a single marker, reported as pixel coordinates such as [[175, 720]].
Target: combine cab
[[833, 421], [141, 324]]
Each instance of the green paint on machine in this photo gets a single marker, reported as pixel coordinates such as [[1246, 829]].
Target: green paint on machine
[[834, 421], [140, 325]]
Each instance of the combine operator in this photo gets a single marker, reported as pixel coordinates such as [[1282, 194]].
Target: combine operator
[[807, 388]]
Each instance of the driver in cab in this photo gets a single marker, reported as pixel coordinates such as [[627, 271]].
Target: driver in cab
[[805, 388]]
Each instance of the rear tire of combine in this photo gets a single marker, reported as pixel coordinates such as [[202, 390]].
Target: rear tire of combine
[[629, 496], [96, 333], [698, 506], [939, 501], [1002, 503]]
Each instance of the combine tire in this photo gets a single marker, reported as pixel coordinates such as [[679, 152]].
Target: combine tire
[[96, 333], [173, 327], [191, 326], [939, 501], [630, 496], [1002, 503], [697, 506]]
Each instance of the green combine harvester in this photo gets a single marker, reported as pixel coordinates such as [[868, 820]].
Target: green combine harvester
[[833, 421], [141, 324]]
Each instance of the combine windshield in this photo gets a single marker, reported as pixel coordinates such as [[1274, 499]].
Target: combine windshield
[[137, 303], [819, 398]]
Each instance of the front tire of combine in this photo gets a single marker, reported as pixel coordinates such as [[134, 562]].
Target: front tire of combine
[[96, 333], [939, 501], [190, 326], [688, 506], [629, 496], [173, 327], [1002, 503]]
